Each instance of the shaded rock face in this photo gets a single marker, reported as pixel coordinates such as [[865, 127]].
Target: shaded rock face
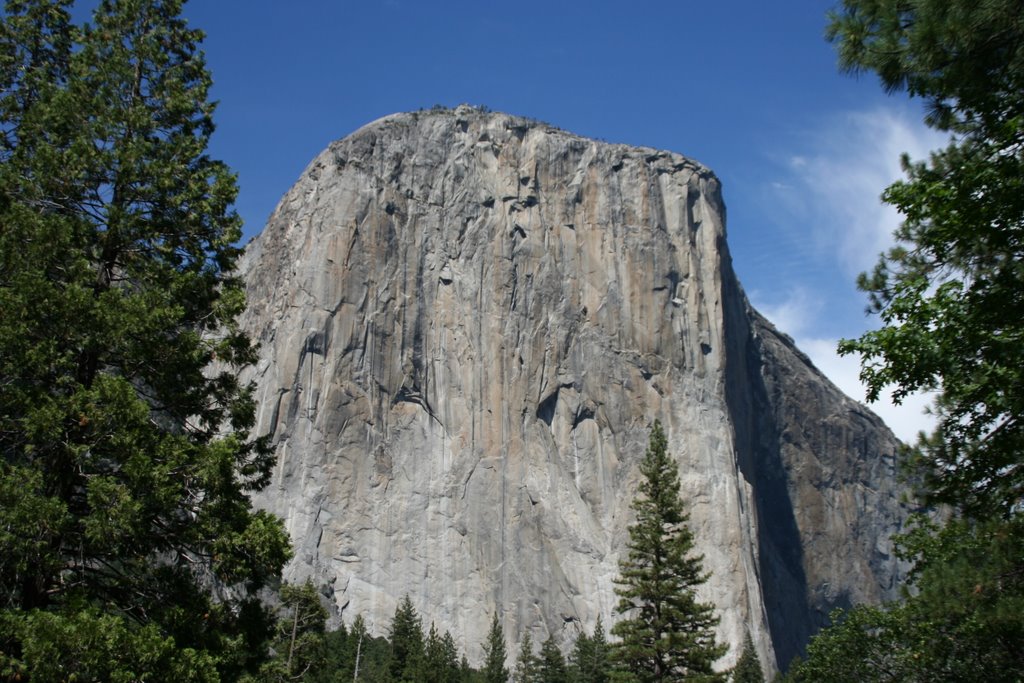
[[468, 322]]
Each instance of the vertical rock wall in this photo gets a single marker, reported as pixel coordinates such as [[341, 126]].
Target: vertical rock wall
[[468, 322]]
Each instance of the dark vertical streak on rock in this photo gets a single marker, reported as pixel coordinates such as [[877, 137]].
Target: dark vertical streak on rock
[[757, 443]]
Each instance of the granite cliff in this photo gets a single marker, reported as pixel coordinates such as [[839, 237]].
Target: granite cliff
[[468, 322]]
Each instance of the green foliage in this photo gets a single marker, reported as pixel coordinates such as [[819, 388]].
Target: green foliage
[[962, 622], [466, 673], [551, 664], [299, 645], [526, 662], [951, 293], [857, 647], [372, 655], [95, 647], [125, 457], [666, 635], [494, 670], [965, 58], [353, 654], [748, 668], [441, 660], [334, 658], [950, 296], [406, 643], [590, 661]]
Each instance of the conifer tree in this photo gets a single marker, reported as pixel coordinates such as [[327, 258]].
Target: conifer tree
[[748, 668], [358, 646], [450, 656], [494, 670], [666, 634], [551, 664], [441, 658], [466, 673], [406, 643], [334, 663], [126, 459], [590, 659], [526, 662]]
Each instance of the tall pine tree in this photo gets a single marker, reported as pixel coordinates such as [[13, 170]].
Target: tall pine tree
[[666, 634], [494, 670], [441, 658], [299, 646], [126, 459]]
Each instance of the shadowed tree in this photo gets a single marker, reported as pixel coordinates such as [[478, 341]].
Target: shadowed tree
[[590, 659], [551, 664], [748, 668], [406, 643], [125, 457], [441, 659], [300, 643]]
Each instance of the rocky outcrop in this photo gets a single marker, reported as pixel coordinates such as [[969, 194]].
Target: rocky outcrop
[[468, 322]]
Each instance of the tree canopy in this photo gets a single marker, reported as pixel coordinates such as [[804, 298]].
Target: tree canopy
[[126, 456], [950, 296], [407, 646], [590, 659]]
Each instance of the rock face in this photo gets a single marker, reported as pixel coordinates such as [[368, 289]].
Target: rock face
[[469, 321]]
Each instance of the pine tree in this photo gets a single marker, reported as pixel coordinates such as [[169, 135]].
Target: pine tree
[[466, 673], [581, 657], [406, 643], [494, 670], [358, 648], [666, 634], [126, 459], [441, 658], [526, 662], [551, 664], [450, 657], [334, 663], [590, 658], [748, 668]]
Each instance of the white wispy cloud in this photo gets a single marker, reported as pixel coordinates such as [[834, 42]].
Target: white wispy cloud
[[851, 159], [834, 218]]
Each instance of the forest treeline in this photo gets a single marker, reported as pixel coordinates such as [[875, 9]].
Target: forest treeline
[[304, 650]]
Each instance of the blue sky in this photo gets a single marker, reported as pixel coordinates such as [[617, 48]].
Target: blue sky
[[750, 89]]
